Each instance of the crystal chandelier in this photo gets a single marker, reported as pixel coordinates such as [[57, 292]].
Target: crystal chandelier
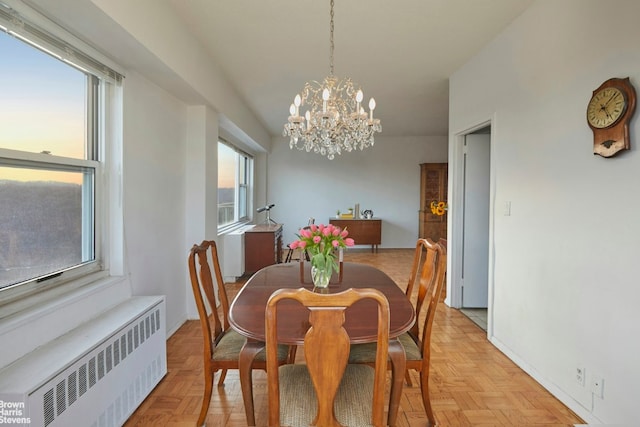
[[335, 120]]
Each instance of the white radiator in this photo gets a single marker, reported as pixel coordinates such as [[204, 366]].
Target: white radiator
[[233, 257], [95, 375]]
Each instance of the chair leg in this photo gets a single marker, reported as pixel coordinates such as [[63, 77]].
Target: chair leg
[[245, 361], [407, 378], [223, 375], [206, 398], [424, 388], [291, 357]]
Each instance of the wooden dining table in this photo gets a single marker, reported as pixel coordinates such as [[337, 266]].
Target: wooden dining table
[[246, 315]]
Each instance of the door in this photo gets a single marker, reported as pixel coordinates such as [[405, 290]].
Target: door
[[475, 249], [433, 187]]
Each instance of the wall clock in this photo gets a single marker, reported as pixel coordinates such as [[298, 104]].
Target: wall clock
[[608, 114]]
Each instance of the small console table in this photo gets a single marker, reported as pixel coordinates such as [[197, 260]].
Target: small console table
[[363, 231], [262, 246]]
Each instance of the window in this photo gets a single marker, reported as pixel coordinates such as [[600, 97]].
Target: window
[[235, 174], [52, 124]]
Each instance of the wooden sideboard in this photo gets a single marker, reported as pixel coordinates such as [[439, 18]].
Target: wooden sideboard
[[262, 246], [362, 231]]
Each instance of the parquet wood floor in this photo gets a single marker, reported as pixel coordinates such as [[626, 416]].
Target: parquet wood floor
[[472, 382]]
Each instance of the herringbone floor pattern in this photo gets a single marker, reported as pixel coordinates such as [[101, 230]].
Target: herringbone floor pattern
[[472, 383]]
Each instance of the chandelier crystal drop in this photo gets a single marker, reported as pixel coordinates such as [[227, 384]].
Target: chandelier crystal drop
[[335, 120]]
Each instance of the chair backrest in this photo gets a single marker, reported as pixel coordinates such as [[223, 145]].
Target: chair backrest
[[443, 242], [433, 295], [429, 271], [213, 326], [326, 346], [424, 256]]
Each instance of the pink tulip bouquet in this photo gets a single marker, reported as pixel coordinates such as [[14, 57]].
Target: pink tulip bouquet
[[321, 242]]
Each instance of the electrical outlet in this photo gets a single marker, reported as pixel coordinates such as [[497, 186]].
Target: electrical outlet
[[597, 386], [580, 376]]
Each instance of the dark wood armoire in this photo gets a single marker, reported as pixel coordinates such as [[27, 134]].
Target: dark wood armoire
[[433, 187]]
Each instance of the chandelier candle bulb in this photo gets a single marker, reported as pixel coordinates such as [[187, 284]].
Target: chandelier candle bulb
[[325, 98], [296, 102]]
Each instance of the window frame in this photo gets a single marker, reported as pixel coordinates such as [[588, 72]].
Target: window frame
[[245, 164], [103, 135]]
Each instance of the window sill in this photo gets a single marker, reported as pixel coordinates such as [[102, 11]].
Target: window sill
[[228, 229], [24, 310]]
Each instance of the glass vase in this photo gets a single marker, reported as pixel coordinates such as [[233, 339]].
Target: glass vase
[[320, 276]]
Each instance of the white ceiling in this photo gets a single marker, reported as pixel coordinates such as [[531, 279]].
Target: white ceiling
[[400, 52]]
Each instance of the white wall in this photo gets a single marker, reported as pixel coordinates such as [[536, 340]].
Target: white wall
[[566, 270], [384, 178], [154, 194]]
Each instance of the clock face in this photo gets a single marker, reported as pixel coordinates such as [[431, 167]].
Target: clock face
[[606, 107]]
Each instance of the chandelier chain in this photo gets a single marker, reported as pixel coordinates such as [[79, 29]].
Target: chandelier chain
[[331, 45]]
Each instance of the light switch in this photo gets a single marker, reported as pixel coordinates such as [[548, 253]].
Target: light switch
[[507, 208]]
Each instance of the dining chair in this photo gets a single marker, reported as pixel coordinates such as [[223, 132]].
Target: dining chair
[[303, 252], [429, 272], [290, 252], [326, 391], [364, 353], [222, 344]]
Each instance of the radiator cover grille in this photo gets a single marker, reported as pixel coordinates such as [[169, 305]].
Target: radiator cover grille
[[106, 382]]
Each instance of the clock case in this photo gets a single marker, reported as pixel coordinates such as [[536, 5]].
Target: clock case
[[610, 140]]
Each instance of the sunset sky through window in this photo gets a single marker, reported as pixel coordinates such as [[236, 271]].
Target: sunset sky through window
[[42, 107]]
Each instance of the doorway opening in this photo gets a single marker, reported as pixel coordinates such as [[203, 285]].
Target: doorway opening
[[471, 190]]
